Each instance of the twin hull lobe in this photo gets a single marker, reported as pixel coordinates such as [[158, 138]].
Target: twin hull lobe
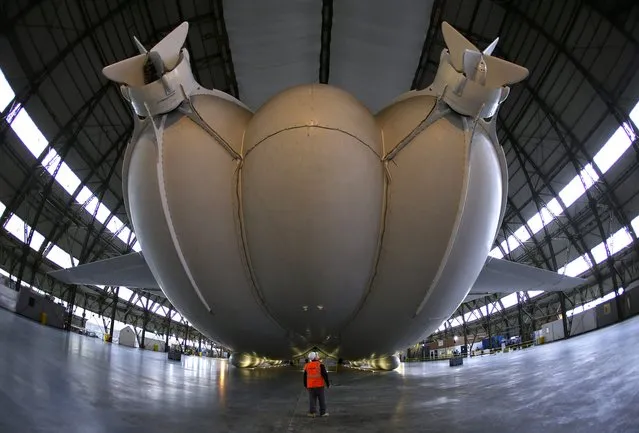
[[310, 238]]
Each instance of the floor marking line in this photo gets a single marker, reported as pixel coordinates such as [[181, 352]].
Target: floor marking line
[[297, 402]]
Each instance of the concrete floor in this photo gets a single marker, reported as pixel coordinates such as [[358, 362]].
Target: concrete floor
[[51, 381]]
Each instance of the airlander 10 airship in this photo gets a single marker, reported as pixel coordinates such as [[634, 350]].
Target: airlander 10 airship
[[313, 223]]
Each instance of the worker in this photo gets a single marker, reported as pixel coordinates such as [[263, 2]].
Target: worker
[[315, 379]]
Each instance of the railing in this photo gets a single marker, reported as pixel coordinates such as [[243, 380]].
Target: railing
[[473, 353]]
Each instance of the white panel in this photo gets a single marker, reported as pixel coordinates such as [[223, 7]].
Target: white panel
[[583, 322], [274, 44], [375, 47]]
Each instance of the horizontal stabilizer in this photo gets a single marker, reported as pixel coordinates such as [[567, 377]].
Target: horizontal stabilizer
[[504, 276], [129, 270]]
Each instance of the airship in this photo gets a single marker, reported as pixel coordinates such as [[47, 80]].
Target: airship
[[312, 223]]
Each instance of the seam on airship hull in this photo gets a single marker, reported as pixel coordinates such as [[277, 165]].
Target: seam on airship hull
[[260, 295], [196, 118], [246, 255], [167, 212], [378, 251], [311, 126], [433, 115]]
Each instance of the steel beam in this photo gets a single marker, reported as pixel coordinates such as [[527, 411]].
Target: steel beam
[[614, 108], [564, 319], [116, 294], [37, 78], [325, 49], [435, 21], [222, 38]]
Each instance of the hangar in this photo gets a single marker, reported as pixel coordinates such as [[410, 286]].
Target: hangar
[[569, 133]]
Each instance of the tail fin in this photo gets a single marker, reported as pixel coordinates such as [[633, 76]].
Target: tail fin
[[464, 56], [457, 44], [169, 47], [131, 71], [502, 72]]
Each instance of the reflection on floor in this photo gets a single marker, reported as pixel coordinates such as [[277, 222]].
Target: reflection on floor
[[51, 381]]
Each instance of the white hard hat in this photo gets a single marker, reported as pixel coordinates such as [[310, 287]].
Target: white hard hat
[[312, 356]]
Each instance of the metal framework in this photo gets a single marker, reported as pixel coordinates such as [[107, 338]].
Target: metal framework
[[551, 127], [537, 120]]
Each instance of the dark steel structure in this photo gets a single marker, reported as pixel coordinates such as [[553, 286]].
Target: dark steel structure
[[583, 57]]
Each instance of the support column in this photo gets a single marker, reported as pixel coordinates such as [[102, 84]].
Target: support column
[[465, 328], [71, 306], [199, 346], [466, 341], [520, 319], [114, 309], [564, 319], [145, 321], [168, 328], [532, 317], [143, 331], [84, 312], [186, 337], [490, 337]]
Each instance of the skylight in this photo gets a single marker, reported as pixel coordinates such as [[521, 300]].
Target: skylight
[[20, 230], [611, 151], [618, 241], [61, 258], [509, 300], [635, 224], [31, 136], [36, 143], [6, 92], [592, 304]]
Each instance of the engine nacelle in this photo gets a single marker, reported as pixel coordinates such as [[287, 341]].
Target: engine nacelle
[[245, 360], [386, 363]]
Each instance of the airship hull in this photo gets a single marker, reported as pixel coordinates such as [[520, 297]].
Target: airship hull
[[312, 201], [321, 229], [444, 205], [181, 188], [312, 223]]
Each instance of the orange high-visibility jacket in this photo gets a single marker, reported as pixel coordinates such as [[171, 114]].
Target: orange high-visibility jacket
[[314, 377]]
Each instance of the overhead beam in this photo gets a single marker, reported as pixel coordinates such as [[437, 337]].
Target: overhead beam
[[325, 50], [614, 107], [222, 38], [436, 15], [573, 145], [36, 78]]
